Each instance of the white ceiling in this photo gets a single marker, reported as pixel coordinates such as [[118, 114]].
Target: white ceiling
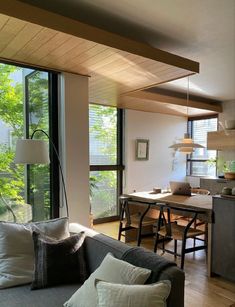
[[202, 30]]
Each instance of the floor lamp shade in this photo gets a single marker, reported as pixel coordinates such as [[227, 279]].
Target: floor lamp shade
[[30, 151]]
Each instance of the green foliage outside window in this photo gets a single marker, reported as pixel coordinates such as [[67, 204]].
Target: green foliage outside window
[[12, 115], [103, 151]]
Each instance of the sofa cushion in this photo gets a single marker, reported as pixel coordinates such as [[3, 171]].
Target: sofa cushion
[[111, 270], [139, 256], [22, 296], [16, 249], [58, 261], [56, 228], [153, 295], [98, 245]]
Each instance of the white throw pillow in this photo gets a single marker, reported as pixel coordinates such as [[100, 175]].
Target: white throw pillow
[[17, 252], [56, 228], [116, 295], [111, 270]]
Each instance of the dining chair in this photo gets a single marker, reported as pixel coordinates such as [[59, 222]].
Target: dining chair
[[197, 222], [138, 220], [166, 229]]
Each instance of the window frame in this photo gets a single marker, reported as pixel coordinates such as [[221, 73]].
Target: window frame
[[53, 133], [189, 159], [119, 167]]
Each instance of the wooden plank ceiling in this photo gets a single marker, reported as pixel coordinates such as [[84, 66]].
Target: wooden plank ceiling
[[116, 65]]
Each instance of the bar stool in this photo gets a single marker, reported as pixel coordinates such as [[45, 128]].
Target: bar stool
[[133, 221]]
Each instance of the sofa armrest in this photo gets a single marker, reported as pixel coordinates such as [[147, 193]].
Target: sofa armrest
[[177, 278], [98, 245]]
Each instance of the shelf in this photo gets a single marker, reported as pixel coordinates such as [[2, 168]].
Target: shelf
[[221, 140]]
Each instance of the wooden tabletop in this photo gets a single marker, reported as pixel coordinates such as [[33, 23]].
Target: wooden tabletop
[[197, 201]]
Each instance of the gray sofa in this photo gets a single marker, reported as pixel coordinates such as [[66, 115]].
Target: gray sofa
[[97, 246]]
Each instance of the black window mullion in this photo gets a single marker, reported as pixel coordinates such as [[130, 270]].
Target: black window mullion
[[53, 130]]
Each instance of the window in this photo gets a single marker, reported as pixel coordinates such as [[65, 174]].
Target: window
[[28, 101], [105, 161], [202, 162]]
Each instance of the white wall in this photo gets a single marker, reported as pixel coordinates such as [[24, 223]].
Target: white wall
[[161, 130], [74, 135]]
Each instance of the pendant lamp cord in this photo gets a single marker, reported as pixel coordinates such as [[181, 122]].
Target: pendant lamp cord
[[187, 96]]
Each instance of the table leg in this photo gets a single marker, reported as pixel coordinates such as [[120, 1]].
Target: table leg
[[209, 252]]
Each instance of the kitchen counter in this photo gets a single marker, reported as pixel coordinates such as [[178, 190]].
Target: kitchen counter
[[215, 185]]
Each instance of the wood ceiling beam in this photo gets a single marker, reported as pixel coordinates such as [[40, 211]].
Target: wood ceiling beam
[[169, 99], [73, 27]]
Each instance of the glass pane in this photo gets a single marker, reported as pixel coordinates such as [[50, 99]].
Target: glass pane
[[203, 168], [103, 193], [13, 205], [199, 132], [38, 118], [103, 135]]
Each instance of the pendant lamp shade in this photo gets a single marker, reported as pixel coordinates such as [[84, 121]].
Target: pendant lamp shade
[[30, 151], [187, 145]]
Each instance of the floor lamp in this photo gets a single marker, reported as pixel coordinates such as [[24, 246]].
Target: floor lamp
[[30, 151]]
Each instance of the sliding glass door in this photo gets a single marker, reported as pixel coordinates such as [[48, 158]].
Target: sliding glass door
[[106, 163], [37, 117], [28, 101]]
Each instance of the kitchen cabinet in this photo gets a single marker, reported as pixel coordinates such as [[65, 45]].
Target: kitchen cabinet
[[221, 140]]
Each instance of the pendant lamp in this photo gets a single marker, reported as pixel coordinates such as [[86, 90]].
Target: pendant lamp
[[187, 145]]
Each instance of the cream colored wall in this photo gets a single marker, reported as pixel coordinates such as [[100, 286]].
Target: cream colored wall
[[161, 130], [74, 141]]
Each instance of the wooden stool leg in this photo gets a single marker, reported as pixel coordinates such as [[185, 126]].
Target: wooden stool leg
[[123, 205], [120, 231], [139, 237], [183, 253], [156, 243], [163, 245], [175, 248]]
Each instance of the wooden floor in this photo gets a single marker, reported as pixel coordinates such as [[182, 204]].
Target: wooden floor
[[200, 291]]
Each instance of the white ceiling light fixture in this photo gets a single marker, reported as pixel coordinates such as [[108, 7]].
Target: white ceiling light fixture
[[187, 145]]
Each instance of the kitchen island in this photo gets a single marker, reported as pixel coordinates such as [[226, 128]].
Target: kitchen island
[[223, 237]]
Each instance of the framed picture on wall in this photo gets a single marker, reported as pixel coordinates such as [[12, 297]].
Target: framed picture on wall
[[142, 149]]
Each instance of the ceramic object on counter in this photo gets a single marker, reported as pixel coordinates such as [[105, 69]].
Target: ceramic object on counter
[[233, 191], [226, 191], [229, 175], [230, 124]]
